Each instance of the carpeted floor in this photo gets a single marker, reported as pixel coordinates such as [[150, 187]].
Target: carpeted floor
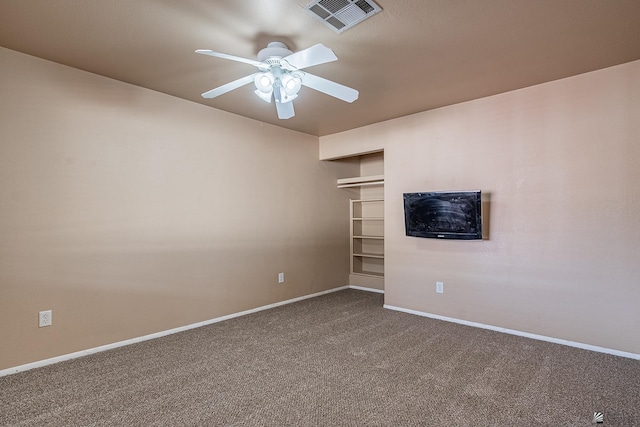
[[335, 360]]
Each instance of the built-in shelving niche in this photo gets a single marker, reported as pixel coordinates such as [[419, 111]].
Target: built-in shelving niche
[[367, 222]]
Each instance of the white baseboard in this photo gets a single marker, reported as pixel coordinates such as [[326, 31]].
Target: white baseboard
[[362, 288], [89, 351], [518, 333]]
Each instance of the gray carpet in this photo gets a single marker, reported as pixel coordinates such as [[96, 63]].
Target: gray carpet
[[335, 360]]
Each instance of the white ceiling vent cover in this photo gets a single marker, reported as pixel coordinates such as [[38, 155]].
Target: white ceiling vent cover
[[340, 15]]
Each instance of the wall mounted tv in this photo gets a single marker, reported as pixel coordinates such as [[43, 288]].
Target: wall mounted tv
[[444, 215]]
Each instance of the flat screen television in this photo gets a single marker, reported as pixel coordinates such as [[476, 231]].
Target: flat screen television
[[444, 215]]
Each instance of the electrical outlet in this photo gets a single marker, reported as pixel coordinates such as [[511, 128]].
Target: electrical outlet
[[44, 318], [440, 287], [280, 277]]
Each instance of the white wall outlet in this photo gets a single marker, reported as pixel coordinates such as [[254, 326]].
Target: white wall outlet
[[280, 277], [44, 318], [440, 287]]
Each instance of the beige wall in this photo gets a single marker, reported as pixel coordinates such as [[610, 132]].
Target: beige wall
[[129, 212], [559, 165]]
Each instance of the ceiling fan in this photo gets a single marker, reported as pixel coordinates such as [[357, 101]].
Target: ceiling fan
[[280, 75]]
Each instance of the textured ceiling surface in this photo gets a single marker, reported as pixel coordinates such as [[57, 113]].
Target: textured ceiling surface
[[411, 57]]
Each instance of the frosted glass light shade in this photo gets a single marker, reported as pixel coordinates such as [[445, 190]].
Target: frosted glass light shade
[[291, 84], [264, 82]]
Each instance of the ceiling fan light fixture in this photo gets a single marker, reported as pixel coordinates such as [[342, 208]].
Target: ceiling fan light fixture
[[265, 96], [284, 97], [264, 82], [291, 84]]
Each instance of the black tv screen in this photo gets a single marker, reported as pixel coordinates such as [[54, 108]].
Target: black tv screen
[[444, 215]]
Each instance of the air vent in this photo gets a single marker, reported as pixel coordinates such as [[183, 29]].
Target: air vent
[[340, 15]]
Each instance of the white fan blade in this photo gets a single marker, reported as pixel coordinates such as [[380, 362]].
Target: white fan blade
[[221, 90], [330, 88], [231, 57], [315, 55], [285, 110]]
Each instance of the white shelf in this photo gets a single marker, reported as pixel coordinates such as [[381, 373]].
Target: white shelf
[[367, 200], [363, 255], [361, 181], [369, 219], [369, 274], [369, 237]]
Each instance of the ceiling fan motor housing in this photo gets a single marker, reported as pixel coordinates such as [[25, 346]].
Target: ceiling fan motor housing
[[274, 50]]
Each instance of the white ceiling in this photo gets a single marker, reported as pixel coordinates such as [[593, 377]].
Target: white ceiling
[[413, 56]]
